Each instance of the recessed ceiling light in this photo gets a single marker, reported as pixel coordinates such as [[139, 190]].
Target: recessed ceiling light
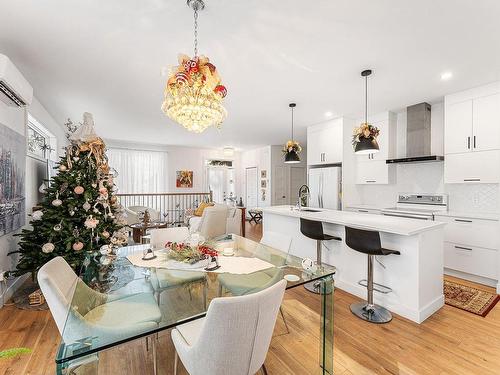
[[328, 114], [446, 76]]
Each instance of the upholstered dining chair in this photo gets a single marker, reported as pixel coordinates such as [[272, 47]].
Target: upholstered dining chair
[[233, 338], [92, 313], [134, 213], [163, 279], [244, 284]]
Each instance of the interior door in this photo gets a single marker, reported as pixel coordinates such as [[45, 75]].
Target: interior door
[[486, 124], [297, 179], [251, 187], [280, 185], [458, 127]]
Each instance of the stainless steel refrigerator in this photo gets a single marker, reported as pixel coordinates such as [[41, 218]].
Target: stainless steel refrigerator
[[325, 186]]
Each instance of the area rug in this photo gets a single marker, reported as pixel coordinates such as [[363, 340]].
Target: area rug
[[473, 300]]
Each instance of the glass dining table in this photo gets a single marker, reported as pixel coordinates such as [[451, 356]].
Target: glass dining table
[[139, 301]]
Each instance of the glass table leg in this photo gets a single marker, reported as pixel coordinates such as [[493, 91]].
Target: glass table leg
[[326, 326], [88, 365]]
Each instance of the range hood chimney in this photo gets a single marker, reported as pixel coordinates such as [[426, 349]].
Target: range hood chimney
[[418, 136]]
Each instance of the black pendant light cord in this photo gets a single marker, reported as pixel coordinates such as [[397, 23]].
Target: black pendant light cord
[[292, 106], [366, 99]]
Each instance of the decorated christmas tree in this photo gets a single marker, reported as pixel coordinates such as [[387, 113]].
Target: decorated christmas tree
[[79, 215]]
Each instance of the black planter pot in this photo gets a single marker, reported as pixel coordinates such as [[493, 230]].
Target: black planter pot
[[366, 146]]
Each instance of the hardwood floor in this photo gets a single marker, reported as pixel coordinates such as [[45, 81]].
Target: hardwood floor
[[450, 342]]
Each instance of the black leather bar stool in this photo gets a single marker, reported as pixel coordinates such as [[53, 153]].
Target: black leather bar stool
[[314, 230], [368, 242]]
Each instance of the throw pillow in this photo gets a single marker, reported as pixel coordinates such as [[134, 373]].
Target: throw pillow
[[201, 208]]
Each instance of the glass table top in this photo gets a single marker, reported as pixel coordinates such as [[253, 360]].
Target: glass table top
[[127, 302]]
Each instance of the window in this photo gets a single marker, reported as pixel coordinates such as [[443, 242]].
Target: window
[[139, 171], [40, 142]]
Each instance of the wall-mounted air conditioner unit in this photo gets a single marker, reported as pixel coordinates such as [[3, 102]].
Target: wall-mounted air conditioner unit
[[15, 90]]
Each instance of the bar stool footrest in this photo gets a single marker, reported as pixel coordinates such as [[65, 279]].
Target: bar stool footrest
[[376, 287]]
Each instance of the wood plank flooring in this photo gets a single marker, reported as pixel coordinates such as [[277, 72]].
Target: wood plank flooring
[[450, 342]]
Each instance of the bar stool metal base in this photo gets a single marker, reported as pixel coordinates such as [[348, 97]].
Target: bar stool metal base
[[315, 287], [371, 313]]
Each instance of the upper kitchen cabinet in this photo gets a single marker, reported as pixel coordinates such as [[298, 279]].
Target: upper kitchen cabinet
[[372, 169], [386, 122], [325, 142], [472, 120], [472, 135]]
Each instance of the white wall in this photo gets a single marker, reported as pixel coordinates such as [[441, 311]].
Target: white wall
[[185, 158], [418, 178], [16, 118], [261, 159]]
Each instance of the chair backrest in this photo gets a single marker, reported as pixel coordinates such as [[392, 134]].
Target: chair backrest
[[153, 214], [364, 241], [312, 229], [58, 282], [234, 220], [213, 222], [159, 237], [237, 332]]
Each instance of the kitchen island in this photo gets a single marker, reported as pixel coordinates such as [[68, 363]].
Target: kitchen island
[[415, 276]]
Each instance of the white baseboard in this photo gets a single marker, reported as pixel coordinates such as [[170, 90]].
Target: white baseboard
[[10, 287], [474, 278]]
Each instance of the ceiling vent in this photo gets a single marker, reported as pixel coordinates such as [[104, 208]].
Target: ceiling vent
[[15, 90]]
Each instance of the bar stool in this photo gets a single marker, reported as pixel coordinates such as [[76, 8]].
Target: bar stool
[[368, 242], [314, 230]]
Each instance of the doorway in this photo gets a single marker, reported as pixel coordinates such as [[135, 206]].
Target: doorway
[[251, 187]]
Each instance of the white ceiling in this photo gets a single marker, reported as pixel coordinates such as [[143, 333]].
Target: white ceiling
[[106, 56]]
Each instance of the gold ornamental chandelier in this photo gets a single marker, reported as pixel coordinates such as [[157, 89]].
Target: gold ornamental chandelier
[[194, 94]]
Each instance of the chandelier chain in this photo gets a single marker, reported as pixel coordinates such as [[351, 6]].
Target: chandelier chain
[[292, 124], [195, 31]]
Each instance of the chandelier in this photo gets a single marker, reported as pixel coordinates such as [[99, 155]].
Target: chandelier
[[194, 93]]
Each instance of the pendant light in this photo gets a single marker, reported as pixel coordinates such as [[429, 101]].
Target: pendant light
[[292, 149], [366, 137]]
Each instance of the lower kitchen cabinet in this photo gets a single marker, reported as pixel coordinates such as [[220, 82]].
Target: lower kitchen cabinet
[[471, 259]]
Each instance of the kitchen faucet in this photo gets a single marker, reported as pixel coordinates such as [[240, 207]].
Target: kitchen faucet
[[304, 193]]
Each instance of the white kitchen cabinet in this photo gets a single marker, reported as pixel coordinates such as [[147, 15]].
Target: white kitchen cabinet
[[472, 135], [325, 143], [374, 172], [372, 169], [363, 210], [472, 167], [458, 127], [486, 123], [471, 248]]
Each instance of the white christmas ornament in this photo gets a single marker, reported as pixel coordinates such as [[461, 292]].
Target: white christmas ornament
[[37, 215], [91, 223], [86, 206], [56, 202], [62, 168], [48, 247], [85, 132], [105, 249]]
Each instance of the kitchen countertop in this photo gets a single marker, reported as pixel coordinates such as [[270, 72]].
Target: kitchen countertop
[[469, 215], [387, 224], [365, 207]]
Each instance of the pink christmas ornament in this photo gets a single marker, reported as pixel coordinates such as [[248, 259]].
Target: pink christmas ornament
[[79, 189], [77, 246]]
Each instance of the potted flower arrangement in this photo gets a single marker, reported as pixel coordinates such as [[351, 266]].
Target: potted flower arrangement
[[292, 146], [191, 256], [365, 138]]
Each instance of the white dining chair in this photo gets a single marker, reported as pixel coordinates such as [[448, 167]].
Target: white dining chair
[[163, 279], [233, 338], [243, 284], [90, 313]]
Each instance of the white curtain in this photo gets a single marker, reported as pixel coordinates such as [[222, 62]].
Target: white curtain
[[139, 171]]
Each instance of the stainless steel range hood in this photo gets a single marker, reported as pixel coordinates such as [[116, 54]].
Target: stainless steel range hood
[[418, 136]]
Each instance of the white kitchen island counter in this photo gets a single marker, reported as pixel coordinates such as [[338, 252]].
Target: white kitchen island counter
[[415, 276]]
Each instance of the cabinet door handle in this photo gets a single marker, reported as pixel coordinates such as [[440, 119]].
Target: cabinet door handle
[[468, 143], [463, 248], [371, 181], [463, 221], [474, 141], [471, 179], [363, 211]]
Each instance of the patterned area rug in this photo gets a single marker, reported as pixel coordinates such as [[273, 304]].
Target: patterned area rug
[[470, 299]]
